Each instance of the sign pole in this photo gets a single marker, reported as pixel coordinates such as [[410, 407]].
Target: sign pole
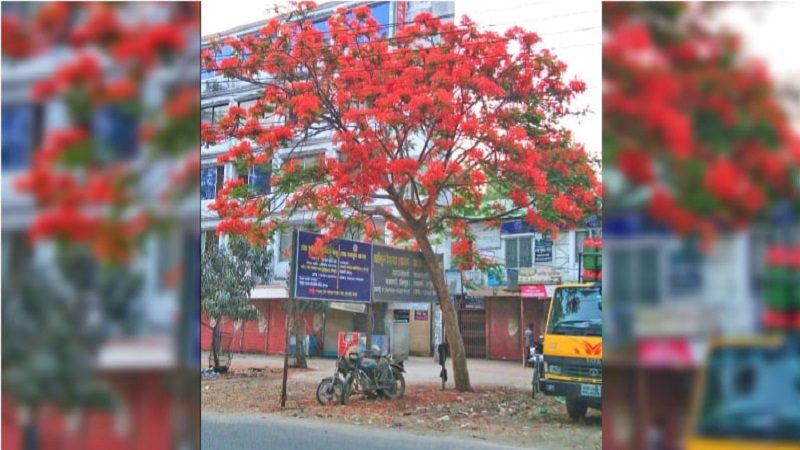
[[369, 328], [289, 315], [522, 324]]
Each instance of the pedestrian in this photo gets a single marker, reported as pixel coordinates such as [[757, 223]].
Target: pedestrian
[[528, 342], [656, 435]]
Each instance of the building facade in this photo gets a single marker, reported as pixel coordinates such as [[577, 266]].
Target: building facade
[[666, 299]]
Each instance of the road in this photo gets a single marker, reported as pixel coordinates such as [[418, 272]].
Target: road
[[259, 431]]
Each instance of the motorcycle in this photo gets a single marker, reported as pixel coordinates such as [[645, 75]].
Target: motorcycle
[[374, 377], [329, 390], [536, 360]]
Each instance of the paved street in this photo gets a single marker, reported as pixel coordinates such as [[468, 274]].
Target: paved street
[[258, 431], [419, 370]]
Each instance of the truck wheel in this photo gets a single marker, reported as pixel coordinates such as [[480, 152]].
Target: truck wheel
[[576, 408]]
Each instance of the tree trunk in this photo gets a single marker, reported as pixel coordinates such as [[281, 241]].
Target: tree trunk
[[454, 339], [286, 355], [215, 343], [299, 335]]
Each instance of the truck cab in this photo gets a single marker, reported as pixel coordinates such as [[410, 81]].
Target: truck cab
[[573, 347], [748, 395]]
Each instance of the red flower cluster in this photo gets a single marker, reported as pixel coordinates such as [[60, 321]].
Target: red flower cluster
[[17, 40], [82, 196], [688, 105], [430, 129], [636, 165]]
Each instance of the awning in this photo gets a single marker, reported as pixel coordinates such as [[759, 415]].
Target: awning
[[137, 354], [670, 353], [269, 292], [349, 307]]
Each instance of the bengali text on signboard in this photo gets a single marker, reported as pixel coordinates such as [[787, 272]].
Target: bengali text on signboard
[[400, 276], [539, 275], [343, 274]]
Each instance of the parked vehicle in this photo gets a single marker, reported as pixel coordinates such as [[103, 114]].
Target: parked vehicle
[[746, 395], [537, 362], [373, 377], [329, 390], [573, 347]]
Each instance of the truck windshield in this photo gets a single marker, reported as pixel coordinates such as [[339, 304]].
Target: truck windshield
[[576, 311], [752, 393]]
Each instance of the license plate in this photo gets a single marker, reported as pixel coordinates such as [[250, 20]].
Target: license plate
[[590, 390]]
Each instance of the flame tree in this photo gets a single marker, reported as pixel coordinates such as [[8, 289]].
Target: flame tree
[[425, 123]]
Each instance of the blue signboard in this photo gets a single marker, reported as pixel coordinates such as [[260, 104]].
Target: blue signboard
[[515, 226], [342, 275]]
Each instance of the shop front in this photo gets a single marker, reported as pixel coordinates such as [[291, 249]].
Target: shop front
[[535, 300], [472, 325], [536, 287], [649, 381], [504, 337], [649, 388]]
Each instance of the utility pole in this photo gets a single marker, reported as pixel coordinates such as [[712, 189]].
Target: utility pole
[[289, 316]]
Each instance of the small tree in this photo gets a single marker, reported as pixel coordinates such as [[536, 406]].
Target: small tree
[[228, 276], [55, 321], [423, 121]]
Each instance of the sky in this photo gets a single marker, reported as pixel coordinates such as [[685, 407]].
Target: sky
[[221, 15]]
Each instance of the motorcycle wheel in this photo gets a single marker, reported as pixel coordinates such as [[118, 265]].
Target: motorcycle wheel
[[399, 387], [329, 392], [535, 381]]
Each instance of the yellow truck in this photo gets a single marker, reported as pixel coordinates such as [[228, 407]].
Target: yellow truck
[[748, 395], [573, 347]]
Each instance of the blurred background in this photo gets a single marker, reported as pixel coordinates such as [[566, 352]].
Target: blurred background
[[702, 243], [100, 233]]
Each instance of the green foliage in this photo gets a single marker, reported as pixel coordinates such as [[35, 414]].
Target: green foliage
[[55, 321], [229, 275]]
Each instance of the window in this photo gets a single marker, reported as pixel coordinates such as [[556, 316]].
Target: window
[[307, 161], [685, 270], [212, 114], [285, 237], [258, 179], [211, 179], [519, 252], [117, 132], [247, 104], [22, 133], [285, 245], [634, 275]]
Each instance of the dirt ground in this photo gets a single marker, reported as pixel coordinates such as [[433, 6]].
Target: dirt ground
[[492, 413]]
